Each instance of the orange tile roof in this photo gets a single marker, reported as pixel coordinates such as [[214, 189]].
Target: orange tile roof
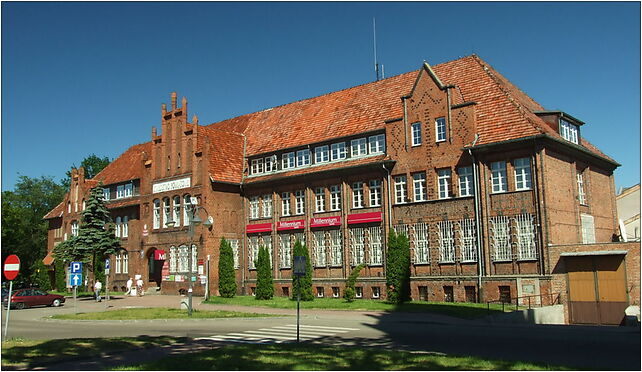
[[128, 166], [225, 161], [56, 212]]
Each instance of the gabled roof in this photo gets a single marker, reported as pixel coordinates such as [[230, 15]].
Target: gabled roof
[[225, 161], [56, 212], [127, 166]]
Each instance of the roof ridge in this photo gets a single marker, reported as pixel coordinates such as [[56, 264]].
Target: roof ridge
[[118, 157]]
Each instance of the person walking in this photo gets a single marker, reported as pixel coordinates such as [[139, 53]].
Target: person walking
[[130, 283], [139, 287], [97, 287]]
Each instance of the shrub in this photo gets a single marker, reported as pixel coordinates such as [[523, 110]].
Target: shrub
[[40, 276], [264, 285], [349, 293], [398, 268], [306, 280], [226, 273]]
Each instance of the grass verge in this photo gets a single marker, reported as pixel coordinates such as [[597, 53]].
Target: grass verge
[[289, 357], [463, 310], [32, 353], [156, 313]]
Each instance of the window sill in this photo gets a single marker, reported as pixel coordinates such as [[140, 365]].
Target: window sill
[[469, 261], [527, 259], [421, 263], [375, 265], [439, 141], [501, 260], [415, 145], [446, 262]]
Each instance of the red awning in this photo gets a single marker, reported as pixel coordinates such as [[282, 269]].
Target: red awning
[[290, 225], [258, 227], [364, 217]]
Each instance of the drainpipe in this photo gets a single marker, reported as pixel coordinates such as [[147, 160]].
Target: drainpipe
[[480, 258], [405, 123], [244, 245], [389, 198]]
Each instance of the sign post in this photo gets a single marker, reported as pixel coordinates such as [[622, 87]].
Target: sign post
[[106, 282], [75, 277], [299, 271], [11, 270]]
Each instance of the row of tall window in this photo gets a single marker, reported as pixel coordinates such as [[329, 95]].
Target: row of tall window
[[179, 259], [172, 209], [321, 154], [121, 263], [121, 227], [447, 236], [522, 172], [84, 205], [444, 185], [440, 131], [513, 238]]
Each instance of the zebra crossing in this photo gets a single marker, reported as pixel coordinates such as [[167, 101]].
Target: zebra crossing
[[280, 334]]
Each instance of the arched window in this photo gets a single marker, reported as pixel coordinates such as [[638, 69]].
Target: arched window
[[177, 210], [125, 257], [118, 263], [117, 229], [84, 204], [156, 224], [172, 259], [165, 211], [125, 230], [187, 210], [68, 207]]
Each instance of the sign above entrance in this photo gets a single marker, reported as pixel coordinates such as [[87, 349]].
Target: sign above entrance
[[159, 255], [364, 217], [258, 227], [181, 183], [325, 221], [290, 225]]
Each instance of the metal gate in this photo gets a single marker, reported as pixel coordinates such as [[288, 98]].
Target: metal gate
[[597, 289]]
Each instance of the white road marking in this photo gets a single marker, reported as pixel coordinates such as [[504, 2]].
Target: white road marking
[[279, 334]]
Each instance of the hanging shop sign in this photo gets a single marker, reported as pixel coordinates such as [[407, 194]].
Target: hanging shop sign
[[325, 221], [258, 227], [290, 225], [181, 183], [364, 217]]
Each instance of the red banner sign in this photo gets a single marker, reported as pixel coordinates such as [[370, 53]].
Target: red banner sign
[[290, 225], [364, 217], [258, 227], [159, 255], [325, 221]]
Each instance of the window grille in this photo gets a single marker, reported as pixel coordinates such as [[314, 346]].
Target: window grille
[[588, 229], [526, 248], [300, 237], [177, 210], [172, 259], [254, 207], [500, 238], [187, 209], [319, 248], [374, 240], [182, 259], [285, 245], [446, 241], [336, 248], [234, 243], [253, 250], [267, 205], [580, 188], [422, 251], [357, 246], [468, 240], [266, 241], [194, 259]]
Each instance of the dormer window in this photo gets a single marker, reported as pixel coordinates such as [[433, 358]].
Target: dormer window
[[257, 166], [569, 131], [302, 158], [288, 160], [270, 163]]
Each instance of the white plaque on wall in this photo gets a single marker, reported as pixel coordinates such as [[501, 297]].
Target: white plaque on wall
[[181, 183]]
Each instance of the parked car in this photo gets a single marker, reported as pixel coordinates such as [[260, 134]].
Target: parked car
[[28, 297]]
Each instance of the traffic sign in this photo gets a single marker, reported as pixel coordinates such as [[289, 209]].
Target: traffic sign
[[11, 267], [75, 267], [107, 263], [75, 279], [299, 265]]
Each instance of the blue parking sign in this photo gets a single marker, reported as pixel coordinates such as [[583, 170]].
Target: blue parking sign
[[107, 263], [75, 267]]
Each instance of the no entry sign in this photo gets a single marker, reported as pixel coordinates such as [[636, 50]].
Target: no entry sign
[[11, 267]]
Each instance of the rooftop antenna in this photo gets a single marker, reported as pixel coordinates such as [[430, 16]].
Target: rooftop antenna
[[374, 33]]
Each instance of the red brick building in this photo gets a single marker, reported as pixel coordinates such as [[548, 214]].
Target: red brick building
[[487, 184]]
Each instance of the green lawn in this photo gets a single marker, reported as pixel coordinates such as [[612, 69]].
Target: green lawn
[[156, 313], [289, 357], [456, 309], [31, 353]]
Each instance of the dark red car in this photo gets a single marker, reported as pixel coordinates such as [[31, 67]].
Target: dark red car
[[27, 297]]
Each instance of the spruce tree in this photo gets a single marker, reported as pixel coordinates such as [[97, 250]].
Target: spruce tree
[[226, 272], [264, 283], [349, 293], [398, 268], [306, 280]]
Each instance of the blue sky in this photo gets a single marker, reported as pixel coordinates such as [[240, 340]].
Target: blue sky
[[83, 78]]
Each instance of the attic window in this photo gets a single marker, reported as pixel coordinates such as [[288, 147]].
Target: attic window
[[167, 117], [178, 113], [569, 131]]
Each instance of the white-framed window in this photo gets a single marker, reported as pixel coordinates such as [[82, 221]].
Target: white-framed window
[[234, 243], [400, 190], [375, 193], [376, 292], [267, 205], [117, 264], [125, 232], [419, 186], [84, 204], [285, 204], [74, 228], [319, 248], [468, 240], [285, 250], [377, 144], [177, 210], [303, 157], [117, 225], [588, 229], [129, 190], [173, 259], [183, 259], [187, 209], [498, 170], [68, 207], [319, 198], [422, 251], [335, 292], [120, 191], [338, 151], [358, 292], [270, 163], [443, 180], [335, 197], [500, 238], [156, 218], [106, 194], [320, 292], [357, 246], [522, 173], [321, 154], [252, 250], [336, 247], [300, 237], [446, 241], [166, 212], [466, 185], [375, 247], [287, 160], [358, 147], [357, 195], [257, 166], [194, 259], [440, 129], [569, 131], [266, 241], [254, 207], [299, 197], [416, 133], [525, 237], [581, 195], [125, 257]]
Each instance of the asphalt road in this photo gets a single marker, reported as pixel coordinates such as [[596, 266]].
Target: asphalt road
[[590, 347]]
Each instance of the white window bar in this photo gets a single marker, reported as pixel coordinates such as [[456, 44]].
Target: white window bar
[[166, 212], [118, 263], [319, 196], [267, 205], [176, 215], [125, 256], [336, 247], [440, 129], [358, 147], [321, 154], [466, 185], [270, 163], [338, 151], [498, 170], [234, 243], [300, 237], [526, 248], [400, 190], [266, 241], [285, 204], [254, 207], [500, 238], [416, 134], [419, 186], [422, 247], [319, 248], [156, 223], [287, 160], [120, 191], [117, 225], [285, 258], [357, 246], [377, 143], [302, 158], [182, 259], [446, 241], [194, 259], [357, 195], [405, 229], [374, 240], [588, 229], [375, 193], [467, 240], [580, 188], [335, 197], [172, 259], [300, 201], [443, 178], [253, 250], [187, 209], [129, 190]]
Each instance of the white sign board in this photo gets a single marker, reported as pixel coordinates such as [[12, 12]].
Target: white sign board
[[181, 183]]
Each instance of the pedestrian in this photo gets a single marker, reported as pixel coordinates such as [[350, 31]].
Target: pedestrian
[[97, 287], [130, 283], [139, 287]]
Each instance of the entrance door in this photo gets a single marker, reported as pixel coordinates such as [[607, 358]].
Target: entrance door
[[597, 290], [155, 268]]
